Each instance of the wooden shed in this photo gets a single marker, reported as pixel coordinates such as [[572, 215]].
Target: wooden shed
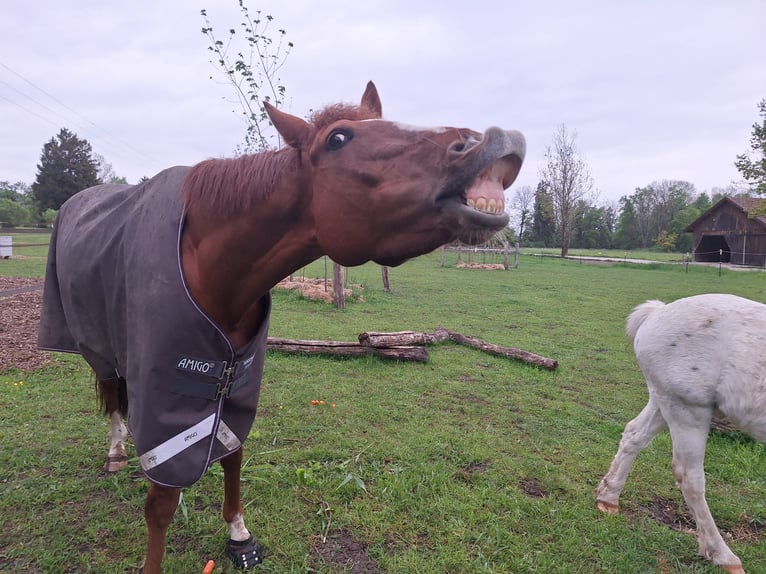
[[730, 232]]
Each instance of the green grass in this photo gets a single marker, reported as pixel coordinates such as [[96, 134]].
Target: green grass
[[468, 463], [29, 253]]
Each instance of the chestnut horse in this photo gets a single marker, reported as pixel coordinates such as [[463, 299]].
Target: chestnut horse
[[164, 287]]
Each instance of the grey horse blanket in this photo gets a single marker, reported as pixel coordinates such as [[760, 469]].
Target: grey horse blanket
[[115, 293]]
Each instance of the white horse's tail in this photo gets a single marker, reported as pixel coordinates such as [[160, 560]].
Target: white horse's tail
[[641, 314]]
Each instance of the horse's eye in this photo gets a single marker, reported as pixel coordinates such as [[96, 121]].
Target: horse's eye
[[337, 139]]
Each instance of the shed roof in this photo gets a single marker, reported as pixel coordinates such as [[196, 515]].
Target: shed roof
[[743, 203]]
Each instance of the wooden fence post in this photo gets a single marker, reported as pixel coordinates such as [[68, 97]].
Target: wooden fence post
[[338, 295]]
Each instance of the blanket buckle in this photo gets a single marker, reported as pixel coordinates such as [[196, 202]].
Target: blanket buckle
[[223, 390]]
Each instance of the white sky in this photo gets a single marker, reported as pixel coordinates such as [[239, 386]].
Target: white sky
[[657, 89]]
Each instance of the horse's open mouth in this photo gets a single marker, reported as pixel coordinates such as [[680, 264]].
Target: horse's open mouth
[[482, 203], [487, 192]]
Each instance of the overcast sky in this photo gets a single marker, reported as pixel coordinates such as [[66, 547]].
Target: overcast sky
[[657, 89]]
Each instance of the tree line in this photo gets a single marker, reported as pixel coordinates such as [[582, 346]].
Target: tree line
[[562, 211], [67, 165], [654, 216]]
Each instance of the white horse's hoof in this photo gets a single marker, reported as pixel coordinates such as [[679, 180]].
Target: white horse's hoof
[[607, 507]]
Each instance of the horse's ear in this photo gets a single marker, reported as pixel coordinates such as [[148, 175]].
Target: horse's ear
[[371, 100], [293, 129]]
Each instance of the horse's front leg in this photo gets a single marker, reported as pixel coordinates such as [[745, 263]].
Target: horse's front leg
[[161, 504], [241, 547]]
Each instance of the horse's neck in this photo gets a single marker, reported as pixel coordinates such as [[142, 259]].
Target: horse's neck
[[230, 266]]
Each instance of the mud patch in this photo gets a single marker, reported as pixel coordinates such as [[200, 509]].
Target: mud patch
[[341, 553], [533, 488], [670, 514], [469, 471], [666, 512], [747, 531]]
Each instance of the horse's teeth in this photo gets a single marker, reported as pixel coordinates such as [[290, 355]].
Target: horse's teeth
[[488, 206]]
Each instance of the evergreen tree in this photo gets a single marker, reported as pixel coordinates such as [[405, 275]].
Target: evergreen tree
[[66, 167], [543, 230], [626, 235]]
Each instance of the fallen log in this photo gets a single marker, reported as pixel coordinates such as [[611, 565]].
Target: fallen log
[[347, 349], [383, 340]]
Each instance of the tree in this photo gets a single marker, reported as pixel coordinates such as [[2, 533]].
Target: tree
[[66, 167], [252, 72], [567, 177], [14, 191], [14, 204], [106, 173], [754, 170], [543, 220], [522, 203], [12, 213], [683, 218], [626, 234], [655, 206], [593, 228]]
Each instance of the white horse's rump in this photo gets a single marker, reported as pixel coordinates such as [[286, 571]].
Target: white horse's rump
[[699, 355]]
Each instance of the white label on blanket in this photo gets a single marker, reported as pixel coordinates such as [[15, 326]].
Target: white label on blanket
[[177, 444], [227, 437]]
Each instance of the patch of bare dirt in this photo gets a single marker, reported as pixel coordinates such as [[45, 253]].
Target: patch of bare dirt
[[467, 472], [20, 300], [315, 289], [533, 488], [341, 553], [668, 513]]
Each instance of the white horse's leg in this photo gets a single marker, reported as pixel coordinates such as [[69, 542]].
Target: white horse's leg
[[637, 435], [689, 427]]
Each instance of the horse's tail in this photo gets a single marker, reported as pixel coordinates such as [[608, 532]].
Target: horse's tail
[[113, 395], [641, 314]]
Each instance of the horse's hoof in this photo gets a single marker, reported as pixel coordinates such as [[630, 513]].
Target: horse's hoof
[[245, 553], [607, 507], [734, 569], [115, 463]]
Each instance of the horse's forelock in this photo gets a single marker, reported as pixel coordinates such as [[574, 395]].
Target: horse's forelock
[[337, 112]]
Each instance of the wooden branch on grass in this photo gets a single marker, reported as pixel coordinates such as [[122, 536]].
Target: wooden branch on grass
[[383, 340], [347, 349], [404, 346]]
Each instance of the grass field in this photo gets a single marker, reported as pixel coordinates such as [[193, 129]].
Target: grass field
[[469, 463]]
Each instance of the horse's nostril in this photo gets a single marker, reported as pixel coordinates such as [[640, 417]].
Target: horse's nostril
[[457, 147]]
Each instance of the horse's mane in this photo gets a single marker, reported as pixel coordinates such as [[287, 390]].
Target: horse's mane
[[226, 186]]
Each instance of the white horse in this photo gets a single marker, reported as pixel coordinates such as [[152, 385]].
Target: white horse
[[699, 355]]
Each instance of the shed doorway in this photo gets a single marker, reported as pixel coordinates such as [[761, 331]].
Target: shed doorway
[[712, 249]]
